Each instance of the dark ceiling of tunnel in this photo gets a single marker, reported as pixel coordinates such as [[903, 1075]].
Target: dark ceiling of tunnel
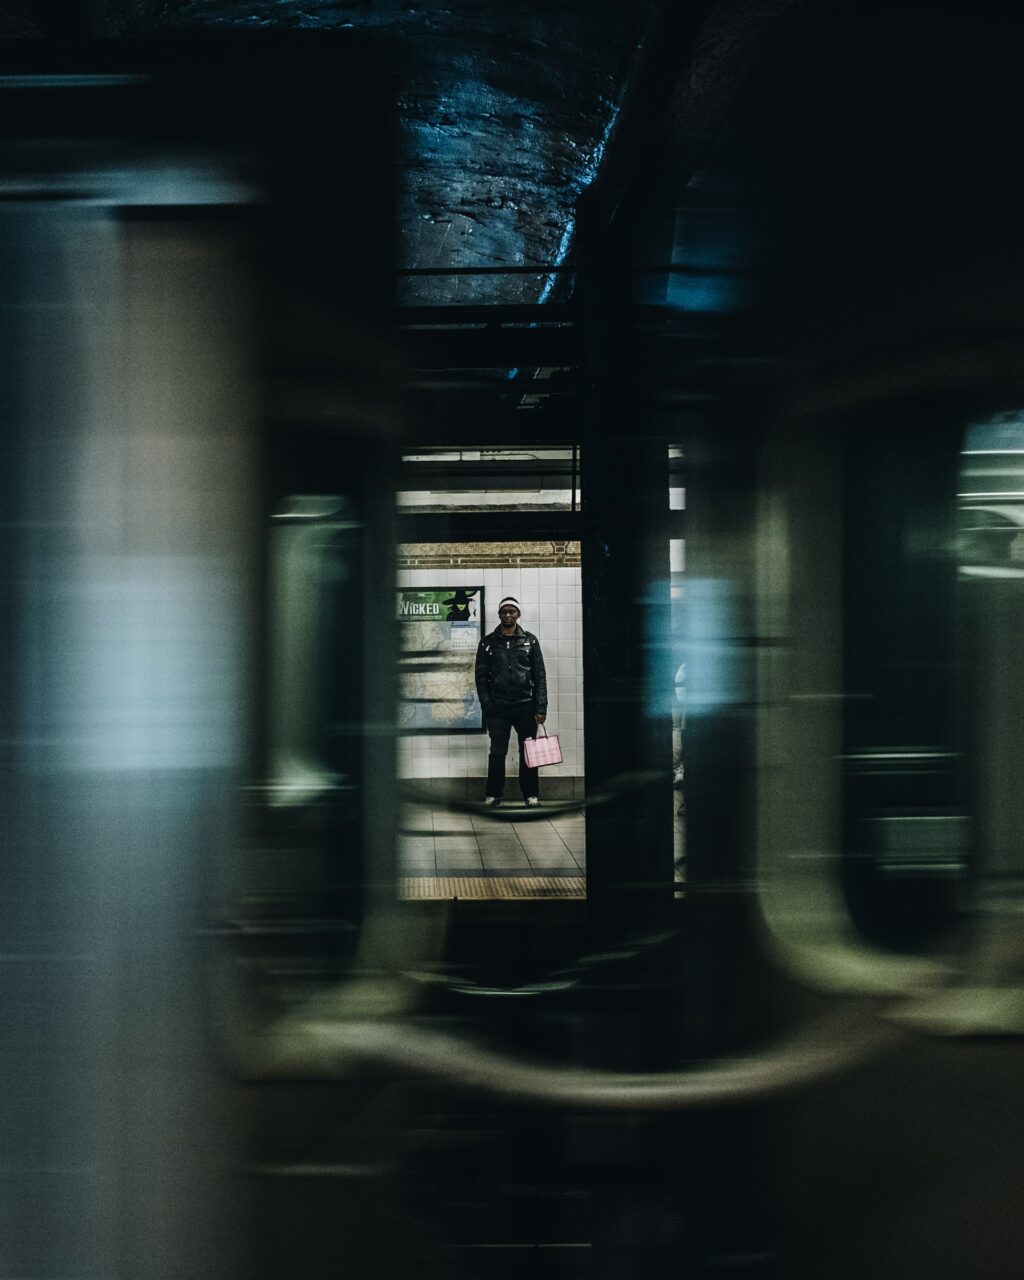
[[834, 121], [504, 111], [515, 115]]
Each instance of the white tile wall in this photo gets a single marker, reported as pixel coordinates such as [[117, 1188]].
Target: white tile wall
[[550, 600]]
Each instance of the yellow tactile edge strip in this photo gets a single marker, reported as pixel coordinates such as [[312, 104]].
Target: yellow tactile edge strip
[[448, 887]]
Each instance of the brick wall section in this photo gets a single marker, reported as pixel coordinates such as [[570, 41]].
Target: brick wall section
[[489, 555]]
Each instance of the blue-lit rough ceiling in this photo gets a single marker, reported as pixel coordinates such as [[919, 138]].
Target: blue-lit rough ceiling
[[505, 108]]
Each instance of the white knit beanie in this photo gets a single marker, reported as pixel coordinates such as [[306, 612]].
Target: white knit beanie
[[509, 600]]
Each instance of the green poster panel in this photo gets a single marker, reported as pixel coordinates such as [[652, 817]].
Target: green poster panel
[[441, 628]]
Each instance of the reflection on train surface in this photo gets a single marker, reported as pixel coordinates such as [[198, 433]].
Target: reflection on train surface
[[745, 995]]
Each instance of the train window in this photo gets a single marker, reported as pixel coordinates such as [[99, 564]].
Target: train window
[[990, 546], [904, 825], [305, 869], [315, 580], [991, 499]]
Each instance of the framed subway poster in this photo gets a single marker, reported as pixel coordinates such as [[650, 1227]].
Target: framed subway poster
[[441, 628]]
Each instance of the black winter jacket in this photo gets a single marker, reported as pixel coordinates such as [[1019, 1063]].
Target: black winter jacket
[[510, 669]]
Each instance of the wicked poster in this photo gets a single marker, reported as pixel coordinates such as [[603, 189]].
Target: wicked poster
[[440, 632]]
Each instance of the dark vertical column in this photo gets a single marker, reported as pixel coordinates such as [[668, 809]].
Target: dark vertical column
[[899, 608], [332, 419], [725, 1188], [718, 645], [627, 702], [625, 610], [331, 411]]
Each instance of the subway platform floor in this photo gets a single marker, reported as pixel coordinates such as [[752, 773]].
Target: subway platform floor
[[469, 852], [508, 853]]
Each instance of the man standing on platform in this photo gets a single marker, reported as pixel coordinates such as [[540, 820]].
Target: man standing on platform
[[512, 686]]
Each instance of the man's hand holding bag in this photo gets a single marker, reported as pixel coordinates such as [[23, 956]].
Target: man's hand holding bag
[[541, 751]]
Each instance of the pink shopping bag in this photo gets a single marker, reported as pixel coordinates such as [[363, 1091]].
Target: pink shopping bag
[[541, 751]]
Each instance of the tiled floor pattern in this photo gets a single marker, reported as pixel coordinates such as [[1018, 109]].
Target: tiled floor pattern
[[447, 887], [447, 853]]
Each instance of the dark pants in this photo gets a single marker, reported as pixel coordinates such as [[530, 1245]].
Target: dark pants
[[500, 723]]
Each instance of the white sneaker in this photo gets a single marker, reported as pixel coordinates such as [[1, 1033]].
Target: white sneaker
[[491, 802], [532, 802]]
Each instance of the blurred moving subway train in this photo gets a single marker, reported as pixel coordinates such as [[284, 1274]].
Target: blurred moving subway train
[[744, 996]]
